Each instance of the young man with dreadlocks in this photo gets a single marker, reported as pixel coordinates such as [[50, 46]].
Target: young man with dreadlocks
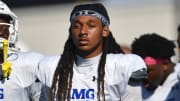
[[92, 66], [162, 83]]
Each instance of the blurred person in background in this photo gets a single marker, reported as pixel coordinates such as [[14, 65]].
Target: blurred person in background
[[16, 81], [162, 83]]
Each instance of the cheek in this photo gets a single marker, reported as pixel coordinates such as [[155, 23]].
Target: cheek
[[154, 77], [96, 39], [74, 38], [95, 34], [75, 33]]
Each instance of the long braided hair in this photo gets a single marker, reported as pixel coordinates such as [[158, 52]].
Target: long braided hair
[[62, 81]]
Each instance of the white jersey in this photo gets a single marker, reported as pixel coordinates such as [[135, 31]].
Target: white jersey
[[169, 91], [118, 69], [22, 76], [133, 92]]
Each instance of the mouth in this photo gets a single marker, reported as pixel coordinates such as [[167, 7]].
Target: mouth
[[83, 41]]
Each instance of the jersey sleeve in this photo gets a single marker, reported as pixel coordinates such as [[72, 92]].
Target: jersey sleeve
[[133, 65], [24, 65], [46, 69], [125, 65]]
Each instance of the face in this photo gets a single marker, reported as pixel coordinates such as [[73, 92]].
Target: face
[[87, 35], [4, 29], [155, 76], [4, 33]]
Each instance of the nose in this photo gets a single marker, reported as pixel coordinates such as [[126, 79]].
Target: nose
[[84, 30]]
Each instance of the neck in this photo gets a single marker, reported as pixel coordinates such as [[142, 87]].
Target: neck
[[92, 52], [89, 54]]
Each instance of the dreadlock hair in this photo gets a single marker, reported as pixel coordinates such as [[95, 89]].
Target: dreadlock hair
[[153, 45]]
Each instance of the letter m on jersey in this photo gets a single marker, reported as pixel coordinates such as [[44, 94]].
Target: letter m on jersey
[[82, 94]]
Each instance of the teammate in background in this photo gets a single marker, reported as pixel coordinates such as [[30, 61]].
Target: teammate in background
[[89, 68], [162, 83], [16, 81]]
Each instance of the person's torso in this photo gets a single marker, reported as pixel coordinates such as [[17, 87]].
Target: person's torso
[[118, 69], [21, 76]]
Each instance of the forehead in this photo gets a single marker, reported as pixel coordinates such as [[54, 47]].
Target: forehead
[[87, 19], [156, 67]]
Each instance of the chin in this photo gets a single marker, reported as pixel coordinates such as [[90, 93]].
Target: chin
[[84, 48]]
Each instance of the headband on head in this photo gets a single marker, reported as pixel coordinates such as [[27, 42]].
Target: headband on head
[[97, 10], [90, 13], [153, 61]]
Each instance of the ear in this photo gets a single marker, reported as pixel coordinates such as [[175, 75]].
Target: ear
[[165, 67], [106, 31]]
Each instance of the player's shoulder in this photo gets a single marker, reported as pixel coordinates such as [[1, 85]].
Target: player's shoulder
[[30, 55], [131, 61], [124, 57], [53, 59]]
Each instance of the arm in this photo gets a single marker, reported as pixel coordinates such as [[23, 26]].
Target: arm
[[34, 91]]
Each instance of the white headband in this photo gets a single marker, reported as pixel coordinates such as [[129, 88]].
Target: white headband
[[90, 13]]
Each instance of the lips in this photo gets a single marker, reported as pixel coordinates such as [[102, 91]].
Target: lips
[[83, 41]]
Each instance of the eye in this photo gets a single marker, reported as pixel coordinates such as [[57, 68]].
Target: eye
[[92, 25], [76, 26]]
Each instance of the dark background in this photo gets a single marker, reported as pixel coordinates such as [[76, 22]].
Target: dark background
[[25, 3]]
